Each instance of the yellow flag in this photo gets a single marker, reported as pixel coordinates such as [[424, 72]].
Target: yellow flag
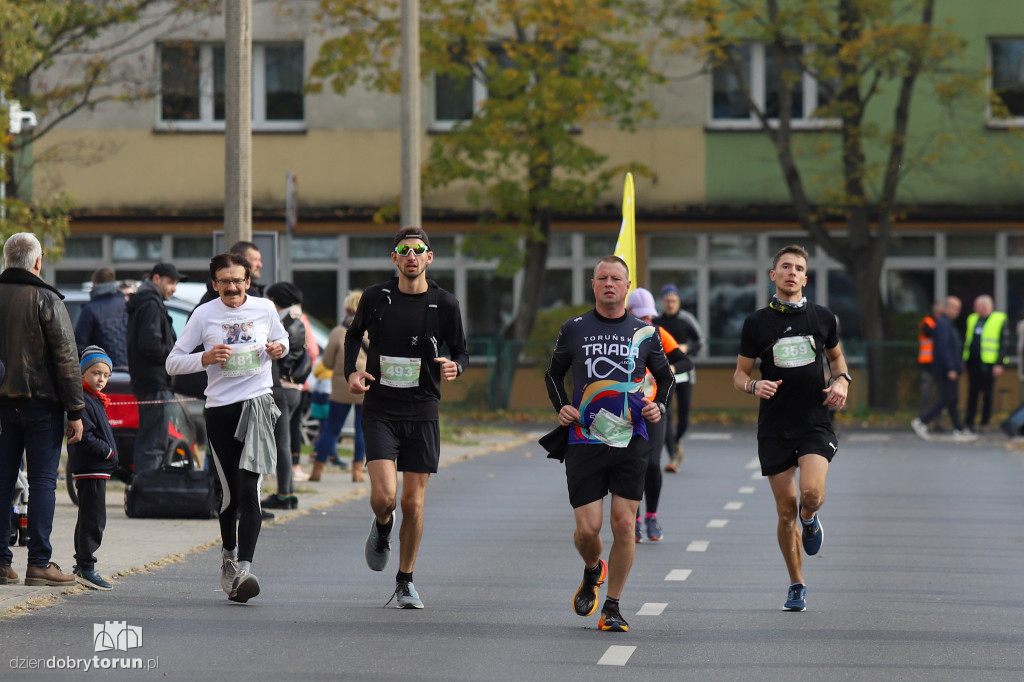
[[625, 247]]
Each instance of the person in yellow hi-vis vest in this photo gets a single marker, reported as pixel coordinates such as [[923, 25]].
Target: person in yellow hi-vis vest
[[986, 343]]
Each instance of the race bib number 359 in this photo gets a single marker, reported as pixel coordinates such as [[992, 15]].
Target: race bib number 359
[[793, 351], [399, 372]]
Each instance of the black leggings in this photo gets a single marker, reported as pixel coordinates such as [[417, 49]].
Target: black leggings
[[652, 482], [240, 511], [681, 395]]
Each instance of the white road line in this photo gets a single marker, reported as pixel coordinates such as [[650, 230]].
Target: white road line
[[679, 574], [717, 523], [651, 609], [733, 506], [617, 655], [756, 476], [754, 464], [698, 546], [746, 490], [709, 436]]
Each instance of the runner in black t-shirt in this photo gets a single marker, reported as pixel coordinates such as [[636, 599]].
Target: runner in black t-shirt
[[793, 339], [609, 351], [408, 319]]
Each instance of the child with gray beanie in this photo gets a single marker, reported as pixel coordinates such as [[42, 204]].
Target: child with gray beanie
[[90, 463]]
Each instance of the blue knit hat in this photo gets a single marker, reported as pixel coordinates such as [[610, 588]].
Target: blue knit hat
[[93, 354]]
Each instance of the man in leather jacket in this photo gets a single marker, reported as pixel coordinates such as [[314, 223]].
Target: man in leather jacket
[[43, 383]]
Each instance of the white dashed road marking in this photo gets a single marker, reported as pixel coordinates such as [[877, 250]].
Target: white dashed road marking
[[617, 655], [709, 436], [717, 523], [679, 574], [746, 490], [651, 609], [756, 476], [698, 546], [754, 464], [733, 506]]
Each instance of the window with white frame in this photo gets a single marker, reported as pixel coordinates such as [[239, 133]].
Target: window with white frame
[[1006, 57], [456, 99], [754, 69], [192, 86]]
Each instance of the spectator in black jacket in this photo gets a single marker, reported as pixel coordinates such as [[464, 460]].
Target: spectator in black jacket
[[287, 395], [150, 340], [104, 319], [946, 364], [90, 463]]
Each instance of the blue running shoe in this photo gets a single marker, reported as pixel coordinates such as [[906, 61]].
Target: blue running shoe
[[653, 529], [91, 579], [797, 599], [812, 534]]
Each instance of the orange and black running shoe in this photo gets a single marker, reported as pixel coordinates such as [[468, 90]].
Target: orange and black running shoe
[[585, 600]]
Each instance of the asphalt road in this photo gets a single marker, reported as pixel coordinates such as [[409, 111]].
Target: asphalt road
[[919, 578]]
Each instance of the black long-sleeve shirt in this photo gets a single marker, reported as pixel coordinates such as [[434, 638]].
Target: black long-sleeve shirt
[[402, 350]]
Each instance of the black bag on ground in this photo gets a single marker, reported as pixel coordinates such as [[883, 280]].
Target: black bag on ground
[[172, 492], [1014, 424]]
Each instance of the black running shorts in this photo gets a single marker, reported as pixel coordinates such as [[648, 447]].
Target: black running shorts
[[414, 446], [592, 471], [780, 451]]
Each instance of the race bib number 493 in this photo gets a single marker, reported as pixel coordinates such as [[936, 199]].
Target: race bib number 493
[[399, 372]]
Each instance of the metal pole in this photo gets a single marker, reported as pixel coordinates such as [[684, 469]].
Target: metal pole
[[238, 121], [411, 206], [3, 164]]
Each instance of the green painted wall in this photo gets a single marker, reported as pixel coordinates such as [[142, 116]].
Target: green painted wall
[[975, 166]]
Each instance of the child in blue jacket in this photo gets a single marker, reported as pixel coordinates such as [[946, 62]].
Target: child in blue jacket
[[90, 463]]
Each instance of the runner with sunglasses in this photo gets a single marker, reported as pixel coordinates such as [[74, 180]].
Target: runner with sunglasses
[[408, 319]]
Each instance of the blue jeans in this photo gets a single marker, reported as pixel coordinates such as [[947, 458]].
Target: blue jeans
[[38, 432], [327, 442], [152, 440]]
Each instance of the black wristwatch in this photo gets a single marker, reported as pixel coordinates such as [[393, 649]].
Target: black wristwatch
[[846, 375]]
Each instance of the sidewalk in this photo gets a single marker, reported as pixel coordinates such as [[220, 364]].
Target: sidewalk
[[136, 545]]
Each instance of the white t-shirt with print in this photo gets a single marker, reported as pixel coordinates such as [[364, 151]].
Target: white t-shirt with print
[[247, 329]]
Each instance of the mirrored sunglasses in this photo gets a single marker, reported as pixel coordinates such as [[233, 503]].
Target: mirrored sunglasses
[[405, 249]]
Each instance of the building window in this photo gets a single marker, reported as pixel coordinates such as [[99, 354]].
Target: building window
[[757, 71], [1007, 68], [192, 86], [458, 98]]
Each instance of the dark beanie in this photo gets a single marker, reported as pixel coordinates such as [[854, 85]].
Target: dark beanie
[[284, 294], [93, 354]]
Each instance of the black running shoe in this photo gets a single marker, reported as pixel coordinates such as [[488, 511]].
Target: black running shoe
[[584, 602], [612, 620]]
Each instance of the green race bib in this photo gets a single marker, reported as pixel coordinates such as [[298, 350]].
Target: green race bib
[[244, 361], [794, 351], [611, 429], [399, 372]]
